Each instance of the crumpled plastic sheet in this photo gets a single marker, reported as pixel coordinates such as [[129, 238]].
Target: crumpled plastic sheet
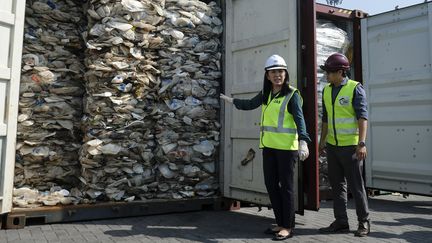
[[25, 197], [51, 89]]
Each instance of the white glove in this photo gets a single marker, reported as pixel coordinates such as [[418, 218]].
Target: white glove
[[303, 150], [226, 98]]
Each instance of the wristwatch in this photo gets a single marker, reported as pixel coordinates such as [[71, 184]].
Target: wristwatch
[[362, 144]]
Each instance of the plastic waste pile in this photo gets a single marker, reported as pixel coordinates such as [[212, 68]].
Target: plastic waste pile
[[187, 134], [150, 121], [330, 39], [120, 104], [50, 104], [119, 109]]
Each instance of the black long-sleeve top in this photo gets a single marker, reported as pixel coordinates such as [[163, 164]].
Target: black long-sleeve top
[[294, 107]]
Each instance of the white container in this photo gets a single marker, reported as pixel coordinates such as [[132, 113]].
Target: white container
[[254, 30], [397, 72]]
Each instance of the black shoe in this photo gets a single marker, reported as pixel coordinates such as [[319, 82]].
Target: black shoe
[[363, 229], [279, 237], [335, 227], [270, 231]]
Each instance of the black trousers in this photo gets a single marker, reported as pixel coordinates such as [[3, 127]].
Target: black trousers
[[343, 167], [279, 181]]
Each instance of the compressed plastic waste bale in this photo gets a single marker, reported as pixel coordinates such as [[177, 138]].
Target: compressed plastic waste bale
[[50, 104], [188, 131], [167, 69], [138, 108], [121, 82]]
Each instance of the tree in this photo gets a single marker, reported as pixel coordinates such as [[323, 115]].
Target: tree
[[334, 2]]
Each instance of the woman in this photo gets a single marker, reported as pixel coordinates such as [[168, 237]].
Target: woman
[[282, 131]]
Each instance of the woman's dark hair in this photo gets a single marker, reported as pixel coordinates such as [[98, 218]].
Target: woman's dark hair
[[267, 87]]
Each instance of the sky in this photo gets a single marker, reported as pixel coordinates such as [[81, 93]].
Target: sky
[[373, 7]]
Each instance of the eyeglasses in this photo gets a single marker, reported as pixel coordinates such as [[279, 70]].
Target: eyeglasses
[[329, 72]]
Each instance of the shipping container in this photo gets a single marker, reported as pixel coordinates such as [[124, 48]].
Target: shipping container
[[250, 37], [397, 63], [395, 72]]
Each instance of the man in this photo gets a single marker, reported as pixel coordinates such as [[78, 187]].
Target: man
[[344, 126]]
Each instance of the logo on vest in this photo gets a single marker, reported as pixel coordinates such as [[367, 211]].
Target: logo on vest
[[344, 100], [277, 101]]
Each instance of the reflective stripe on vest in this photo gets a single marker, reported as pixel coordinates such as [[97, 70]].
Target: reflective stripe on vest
[[278, 129], [342, 120]]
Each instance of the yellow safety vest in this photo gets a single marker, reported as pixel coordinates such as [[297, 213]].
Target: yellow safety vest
[[342, 120], [278, 129]]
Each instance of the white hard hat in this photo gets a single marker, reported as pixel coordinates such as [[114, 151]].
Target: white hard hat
[[275, 62]]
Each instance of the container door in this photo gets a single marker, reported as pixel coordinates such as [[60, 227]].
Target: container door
[[255, 29], [397, 63], [11, 31]]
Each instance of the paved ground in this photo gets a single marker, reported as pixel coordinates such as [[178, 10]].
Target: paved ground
[[395, 219]]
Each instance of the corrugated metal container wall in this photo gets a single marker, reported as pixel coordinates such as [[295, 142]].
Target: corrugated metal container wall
[[11, 31], [397, 70], [250, 38]]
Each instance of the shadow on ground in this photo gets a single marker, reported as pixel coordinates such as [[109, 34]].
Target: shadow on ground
[[216, 226], [197, 226]]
